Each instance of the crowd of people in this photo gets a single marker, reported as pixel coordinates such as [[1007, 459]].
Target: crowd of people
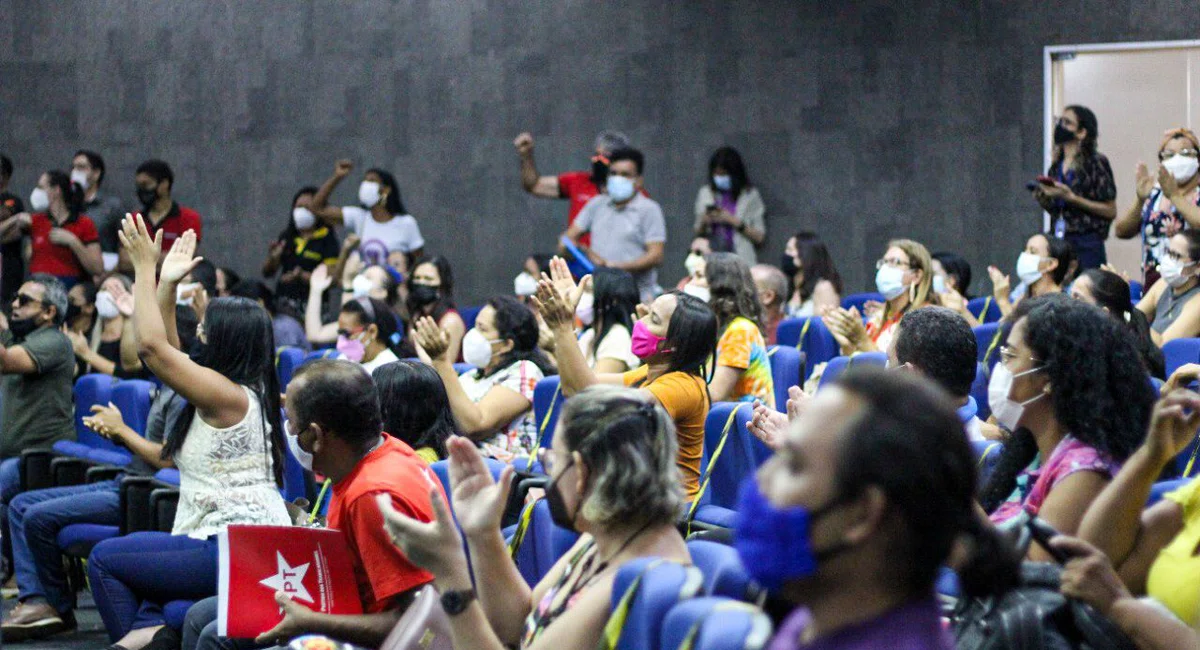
[[871, 490]]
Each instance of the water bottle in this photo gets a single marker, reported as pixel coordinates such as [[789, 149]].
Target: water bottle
[[1060, 227]]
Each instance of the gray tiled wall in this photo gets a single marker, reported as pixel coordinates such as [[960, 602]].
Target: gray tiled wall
[[865, 121]]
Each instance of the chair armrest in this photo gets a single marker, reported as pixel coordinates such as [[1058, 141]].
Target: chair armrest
[[67, 471], [163, 503], [100, 473], [135, 503], [35, 469]]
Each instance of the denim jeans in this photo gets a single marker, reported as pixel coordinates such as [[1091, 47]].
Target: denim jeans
[[10, 487], [132, 577], [34, 520], [200, 630]]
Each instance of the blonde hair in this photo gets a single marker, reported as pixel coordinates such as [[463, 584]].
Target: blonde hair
[[920, 294]]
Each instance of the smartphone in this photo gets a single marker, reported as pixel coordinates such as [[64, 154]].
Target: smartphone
[[1045, 180], [710, 208]]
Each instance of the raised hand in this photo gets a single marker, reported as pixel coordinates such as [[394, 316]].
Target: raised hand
[[478, 499], [432, 338], [351, 242], [1145, 182], [1001, 284], [180, 260], [552, 306], [143, 249], [768, 425], [79, 342], [1166, 180], [62, 237], [435, 546], [320, 280], [1173, 422], [797, 402], [342, 168], [524, 144], [123, 298], [564, 282]]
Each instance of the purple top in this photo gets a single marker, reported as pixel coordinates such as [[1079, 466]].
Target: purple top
[[915, 626], [727, 202]]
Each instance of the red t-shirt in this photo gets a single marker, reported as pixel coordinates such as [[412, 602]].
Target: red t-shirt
[[48, 257], [178, 221], [380, 569]]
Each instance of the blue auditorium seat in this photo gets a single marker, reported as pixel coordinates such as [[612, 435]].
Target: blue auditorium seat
[[469, 314], [811, 338], [170, 476], [463, 368], [987, 455], [723, 572], [548, 402], [979, 390], [327, 353], [133, 397], [785, 372], [859, 300], [715, 624], [1161, 489], [643, 591], [543, 543], [1135, 291], [441, 469], [740, 455], [988, 344], [984, 309], [1179, 352], [838, 365], [89, 391], [287, 360]]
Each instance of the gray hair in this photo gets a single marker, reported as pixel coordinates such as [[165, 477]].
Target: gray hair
[[774, 278], [629, 447], [610, 140], [55, 294]]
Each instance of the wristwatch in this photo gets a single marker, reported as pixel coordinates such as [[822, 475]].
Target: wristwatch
[[456, 602]]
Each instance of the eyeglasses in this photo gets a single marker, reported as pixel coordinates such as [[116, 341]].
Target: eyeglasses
[[24, 299], [1189, 153], [1172, 255], [894, 263], [1007, 354], [347, 333]]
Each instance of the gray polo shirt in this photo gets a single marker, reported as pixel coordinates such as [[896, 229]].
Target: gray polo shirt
[[622, 234]]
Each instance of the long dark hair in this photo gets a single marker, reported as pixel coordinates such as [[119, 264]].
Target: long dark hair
[[616, 298], [515, 322], [445, 301], [818, 265], [1063, 251], [1109, 411], [1087, 120], [72, 193], [370, 311], [241, 346], [957, 267], [732, 289], [290, 231], [1111, 292], [691, 336], [394, 205], [730, 160], [415, 406]]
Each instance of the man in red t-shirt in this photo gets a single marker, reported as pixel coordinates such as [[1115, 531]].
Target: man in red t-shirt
[[155, 180], [334, 428], [580, 186]]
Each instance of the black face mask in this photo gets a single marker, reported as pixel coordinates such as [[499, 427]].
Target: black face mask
[[788, 265], [558, 507], [423, 294], [599, 173], [73, 312], [22, 327], [147, 196], [1063, 135]]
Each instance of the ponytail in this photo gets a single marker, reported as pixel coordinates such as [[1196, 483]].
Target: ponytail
[[992, 566], [1019, 450]]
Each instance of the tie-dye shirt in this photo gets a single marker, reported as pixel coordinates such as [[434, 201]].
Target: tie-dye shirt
[[743, 347]]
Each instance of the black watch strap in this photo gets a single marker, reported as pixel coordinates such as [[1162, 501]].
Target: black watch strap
[[456, 602]]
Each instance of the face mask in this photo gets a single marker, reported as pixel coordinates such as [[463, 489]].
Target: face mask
[[183, 293], [599, 172], [352, 349], [1063, 135], [644, 343], [303, 457], [1027, 268], [585, 311], [697, 291], [1172, 272], [524, 284], [693, 263], [558, 506], [889, 281], [368, 194], [147, 196], [106, 306], [723, 183], [788, 266], [775, 544], [303, 218], [939, 284], [620, 188], [423, 294], [22, 327], [476, 349], [39, 200], [1008, 413], [1183, 168], [362, 286], [79, 177], [73, 312]]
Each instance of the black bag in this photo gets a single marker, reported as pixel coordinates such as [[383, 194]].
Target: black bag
[[1034, 616]]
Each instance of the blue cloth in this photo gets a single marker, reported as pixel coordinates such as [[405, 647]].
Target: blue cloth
[[1089, 249], [34, 519], [126, 576], [200, 630], [10, 487], [967, 411]]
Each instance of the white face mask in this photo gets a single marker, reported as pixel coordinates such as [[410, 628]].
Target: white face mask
[[362, 286], [39, 200], [303, 457], [697, 291], [106, 306], [183, 293], [619, 188], [693, 263], [1008, 413], [368, 194], [585, 311], [1027, 267], [939, 284], [1183, 168], [889, 281], [476, 349], [79, 177], [303, 218], [723, 182], [1172, 272], [524, 284]]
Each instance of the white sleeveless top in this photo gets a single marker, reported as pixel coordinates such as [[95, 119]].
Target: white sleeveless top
[[226, 476]]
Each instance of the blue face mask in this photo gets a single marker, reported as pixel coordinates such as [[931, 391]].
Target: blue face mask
[[774, 543], [723, 182], [619, 188]]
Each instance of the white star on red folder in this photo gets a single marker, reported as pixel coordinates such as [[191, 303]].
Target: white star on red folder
[[289, 580]]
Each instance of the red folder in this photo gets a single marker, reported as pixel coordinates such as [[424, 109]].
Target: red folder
[[312, 565]]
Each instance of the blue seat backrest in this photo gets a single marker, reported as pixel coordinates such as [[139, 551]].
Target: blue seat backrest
[[327, 353], [838, 365], [469, 314], [979, 390], [461, 368], [1179, 352], [723, 572], [662, 584], [295, 479], [857, 300], [1135, 291], [133, 397], [817, 346], [987, 345], [739, 456], [987, 456], [89, 391], [170, 476], [718, 624], [548, 401], [984, 309], [287, 359], [1186, 457], [785, 371], [543, 545], [441, 469], [1161, 489]]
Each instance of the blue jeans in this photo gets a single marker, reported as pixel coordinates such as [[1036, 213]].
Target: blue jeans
[[200, 630], [10, 487], [132, 577], [36, 517]]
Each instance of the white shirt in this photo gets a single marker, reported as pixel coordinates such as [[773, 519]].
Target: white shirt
[[616, 344], [381, 359], [400, 233]]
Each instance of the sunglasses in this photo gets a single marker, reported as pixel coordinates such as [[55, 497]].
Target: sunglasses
[[24, 300]]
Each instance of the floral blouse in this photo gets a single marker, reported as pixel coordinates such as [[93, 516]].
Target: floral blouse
[[1092, 178]]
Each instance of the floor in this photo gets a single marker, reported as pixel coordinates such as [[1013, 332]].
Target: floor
[[89, 636]]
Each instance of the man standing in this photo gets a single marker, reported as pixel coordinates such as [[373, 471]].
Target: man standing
[[628, 229], [104, 209], [155, 181], [12, 266]]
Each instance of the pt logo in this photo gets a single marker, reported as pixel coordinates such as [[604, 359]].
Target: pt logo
[[289, 580]]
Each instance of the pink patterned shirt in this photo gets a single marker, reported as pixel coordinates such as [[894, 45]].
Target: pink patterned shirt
[[1036, 481]]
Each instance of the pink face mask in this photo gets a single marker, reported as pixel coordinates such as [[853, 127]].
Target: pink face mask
[[351, 349], [645, 343]]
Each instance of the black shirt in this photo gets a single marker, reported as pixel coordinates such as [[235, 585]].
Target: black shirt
[[307, 254], [13, 266]]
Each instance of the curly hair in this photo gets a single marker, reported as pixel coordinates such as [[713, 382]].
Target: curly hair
[[1101, 392], [732, 289]]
